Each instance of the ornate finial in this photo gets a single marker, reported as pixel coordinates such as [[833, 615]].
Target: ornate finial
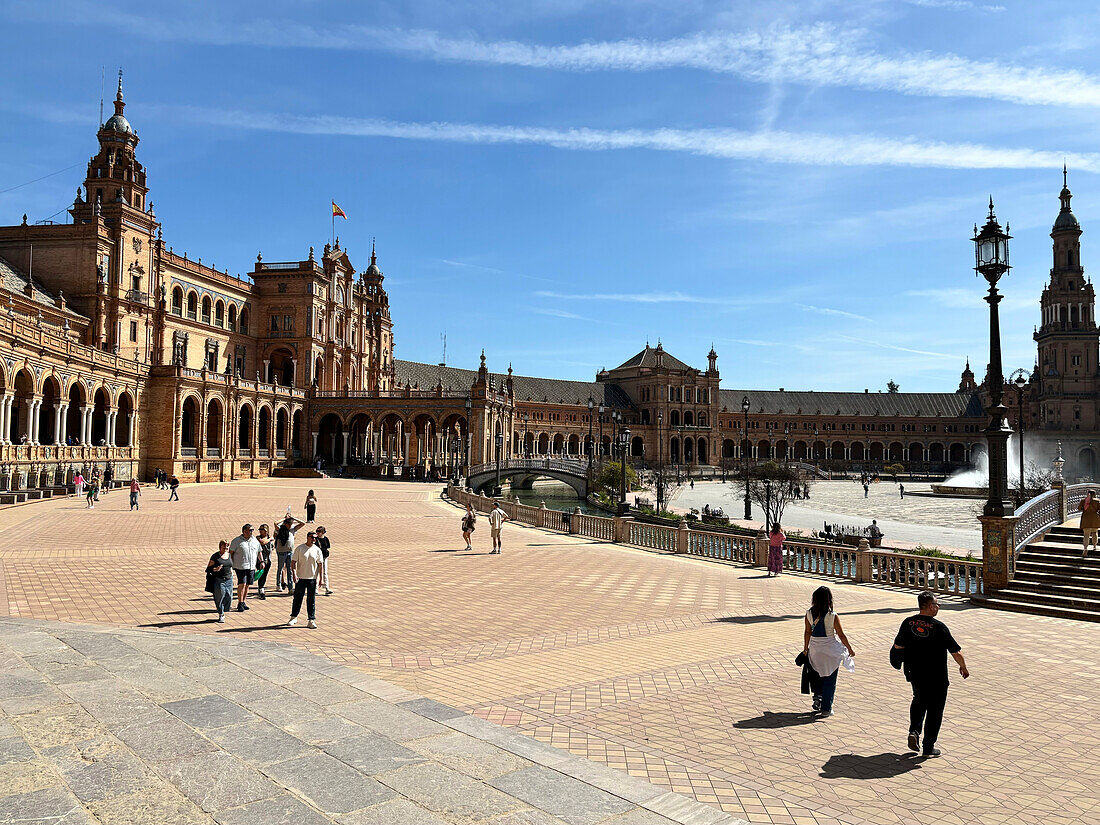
[[509, 367], [24, 219], [483, 359], [1065, 175], [152, 212], [311, 253], [118, 96], [259, 257], [991, 215], [79, 199], [337, 241], [373, 257]]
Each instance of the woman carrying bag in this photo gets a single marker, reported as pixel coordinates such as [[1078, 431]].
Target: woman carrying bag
[[219, 579], [827, 648]]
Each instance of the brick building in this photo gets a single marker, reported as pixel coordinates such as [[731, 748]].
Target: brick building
[[116, 349]]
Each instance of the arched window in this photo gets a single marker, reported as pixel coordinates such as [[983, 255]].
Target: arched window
[[674, 418], [233, 316], [243, 321], [177, 301], [219, 314], [192, 305], [206, 305]]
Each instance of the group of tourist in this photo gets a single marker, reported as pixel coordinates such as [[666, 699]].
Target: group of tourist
[[497, 517], [90, 488], [920, 650], [301, 567]]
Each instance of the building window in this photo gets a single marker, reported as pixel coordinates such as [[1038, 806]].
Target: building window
[[133, 332], [1075, 360], [288, 322]]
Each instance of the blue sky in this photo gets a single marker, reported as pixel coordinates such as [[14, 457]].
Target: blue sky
[[560, 181]]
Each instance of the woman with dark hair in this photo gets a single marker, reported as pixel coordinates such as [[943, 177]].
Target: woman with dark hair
[[311, 507], [827, 647], [775, 550]]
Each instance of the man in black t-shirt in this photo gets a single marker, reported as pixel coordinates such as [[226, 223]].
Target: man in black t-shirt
[[924, 643]]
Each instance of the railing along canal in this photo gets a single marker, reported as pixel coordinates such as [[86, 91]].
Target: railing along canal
[[960, 577]]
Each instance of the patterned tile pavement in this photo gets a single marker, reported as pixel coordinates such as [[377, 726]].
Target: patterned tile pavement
[[677, 670]]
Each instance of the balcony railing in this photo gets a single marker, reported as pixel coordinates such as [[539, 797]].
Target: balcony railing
[[137, 296]]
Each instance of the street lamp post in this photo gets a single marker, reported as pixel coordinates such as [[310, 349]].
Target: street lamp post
[[991, 262], [787, 442], [624, 446], [591, 406], [744, 453], [469, 408], [1018, 379], [660, 463], [599, 447], [526, 451], [500, 449]]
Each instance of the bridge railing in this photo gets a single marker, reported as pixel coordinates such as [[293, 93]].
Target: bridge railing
[[559, 465], [960, 577]]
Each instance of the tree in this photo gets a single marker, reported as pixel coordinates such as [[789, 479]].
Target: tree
[[609, 477], [771, 487], [891, 386], [894, 470]]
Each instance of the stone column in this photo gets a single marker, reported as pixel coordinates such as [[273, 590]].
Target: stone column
[[294, 371], [130, 429], [760, 549], [407, 457], [683, 538], [112, 417], [57, 425], [316, 436], [332, 445], [63, 424], [5, 414], [30, 421], [344, 462], [267, 372]]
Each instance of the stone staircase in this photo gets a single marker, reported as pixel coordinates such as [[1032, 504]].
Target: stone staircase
[[1052, 579]]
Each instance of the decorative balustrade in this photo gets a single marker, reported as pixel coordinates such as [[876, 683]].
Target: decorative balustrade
[[959, 577], [1035, 516]]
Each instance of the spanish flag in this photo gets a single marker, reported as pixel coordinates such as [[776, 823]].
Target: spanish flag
[[337, 212]]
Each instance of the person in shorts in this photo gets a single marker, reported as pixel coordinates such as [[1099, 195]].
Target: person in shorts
[[497, 517], [244, 549], [469, 524]]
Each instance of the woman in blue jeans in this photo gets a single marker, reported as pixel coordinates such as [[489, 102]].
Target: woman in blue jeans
[[220, 570], [827, 647]]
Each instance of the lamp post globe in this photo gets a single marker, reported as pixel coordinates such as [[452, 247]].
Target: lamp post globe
[[745, 405], [991, 262]]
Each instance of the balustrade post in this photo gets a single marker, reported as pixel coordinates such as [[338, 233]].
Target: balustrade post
[[1063, 504], [862, 572], [760, 549], [998, 550], [620, 533], [683, 533], [574, 522], [540, 519]]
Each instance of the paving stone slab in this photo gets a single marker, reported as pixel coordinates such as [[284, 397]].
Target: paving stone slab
[[163, 740], [328, 728], [15, 749], [397, 723], [55, 806], [285, 711], [631, 788], [639, 816], [259, 742], [26, 777], [328, 783], [325, 691], [60, 725], [688, 811], [465, 754], [563, 796], [216, 781], [154, 805], [394, 812], [280, 810], [114, 704], [432, 709], [208, 712], [100, 768], [448, 792], [372, 753], [529, 817]]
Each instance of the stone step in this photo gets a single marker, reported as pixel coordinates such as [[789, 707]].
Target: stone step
[[1039, 571], [1048, 549], [1002, 602], [1087, 591], [1088, 601]]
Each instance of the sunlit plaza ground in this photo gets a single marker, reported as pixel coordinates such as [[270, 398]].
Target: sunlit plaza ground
[[674, 669], [920, 518]]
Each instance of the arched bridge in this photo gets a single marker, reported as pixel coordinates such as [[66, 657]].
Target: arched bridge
[[523, 471]]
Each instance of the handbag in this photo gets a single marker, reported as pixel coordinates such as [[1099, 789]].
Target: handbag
[[209, 582]]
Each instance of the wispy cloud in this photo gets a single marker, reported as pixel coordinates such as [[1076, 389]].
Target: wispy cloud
[[818, 55], [957, 5], [492, 270], [871, 342], [561, 313], [782, 147], [837, 313], [634, 297]]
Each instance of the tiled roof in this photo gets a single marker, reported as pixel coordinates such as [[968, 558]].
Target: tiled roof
[[648, 358], [550, 390], [15, 280], [950, 404]]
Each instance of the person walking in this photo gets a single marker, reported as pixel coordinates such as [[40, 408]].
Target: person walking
[[264, 561], [108, 477], [284, 547], [469, 524], [306, 563], [922, 645], [93, 493], [135, 491], [78, 484], [174, 486], [866, 489], [1090, 521], [245, 550], [97, 480], [326, 545], [219, 579], [775, 550], [826, 646], [497, 517], [901, 489], [311, 507]]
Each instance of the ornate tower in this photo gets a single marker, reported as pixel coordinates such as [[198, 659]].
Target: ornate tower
[[1068, 340], [379, 326], [966, 380]]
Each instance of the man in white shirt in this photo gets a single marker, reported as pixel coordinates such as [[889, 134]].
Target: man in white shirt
[[244, 550], [305, 561], [496, 521]]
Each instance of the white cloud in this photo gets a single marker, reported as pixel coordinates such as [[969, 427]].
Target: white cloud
[[838, 313], [780, 147], [634, 297], [957, 5], [871, 342], [561, 313]]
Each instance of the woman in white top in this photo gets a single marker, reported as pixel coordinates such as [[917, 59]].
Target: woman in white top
[[827, 648]]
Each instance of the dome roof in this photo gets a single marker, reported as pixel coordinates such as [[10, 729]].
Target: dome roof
[[119, 123], [1066, 220]]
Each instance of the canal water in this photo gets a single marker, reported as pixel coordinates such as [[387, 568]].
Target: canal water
[[556, 494]]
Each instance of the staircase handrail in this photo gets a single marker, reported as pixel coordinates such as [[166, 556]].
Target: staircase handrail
[[1036, 515]]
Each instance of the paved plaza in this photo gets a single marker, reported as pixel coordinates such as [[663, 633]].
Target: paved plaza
[[674, 670], [951, 524]]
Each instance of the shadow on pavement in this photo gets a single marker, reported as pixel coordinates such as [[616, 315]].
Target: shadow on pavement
[[879, 766], [213, 619], [279, 626], [776, 720], [757, 619]]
